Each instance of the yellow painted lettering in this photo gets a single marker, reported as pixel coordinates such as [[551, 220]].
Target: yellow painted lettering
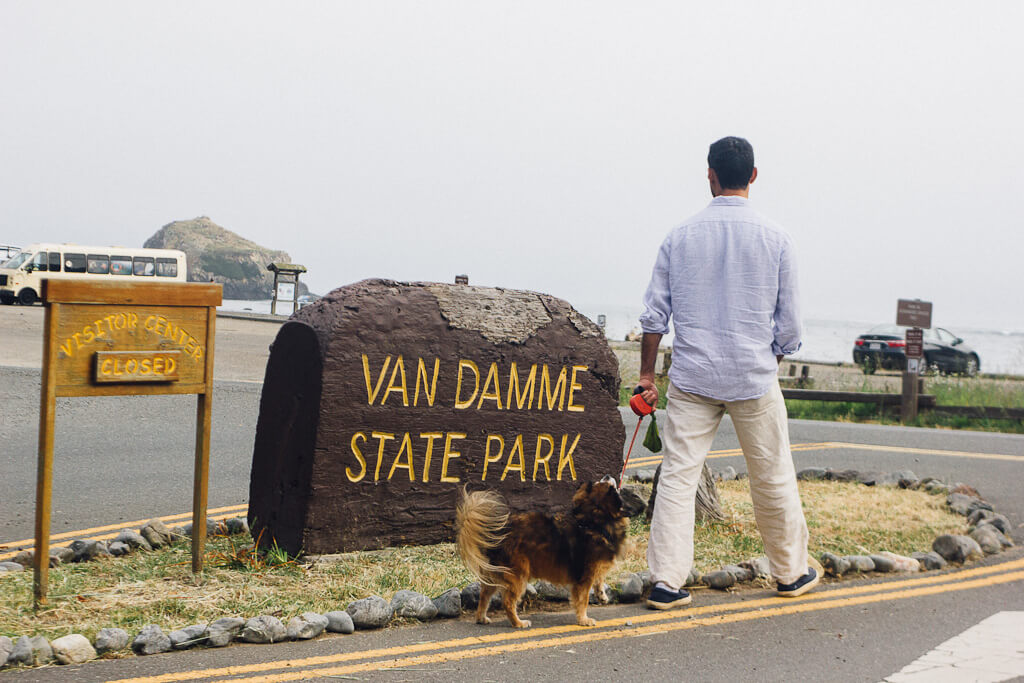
[[382, 438], [459, 403], [492, 377], [538, 460], [487, 452], [574, 386], [448, 455], [150, 323], [421, 373], [170, 365], [107, 367], [430, 437], [67, 348], [397, 388], [133, 320], [147, 366], [88, 334], [406, 448], [566, 458], [546, 389], [526, 397], [371, 394], [359, 456], [517, 447]]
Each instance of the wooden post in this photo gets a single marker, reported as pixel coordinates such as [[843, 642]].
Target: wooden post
[[273, 299], [908, 405], [44, 468], [201, 479]]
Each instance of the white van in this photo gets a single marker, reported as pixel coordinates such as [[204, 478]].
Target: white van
[[21, 277]]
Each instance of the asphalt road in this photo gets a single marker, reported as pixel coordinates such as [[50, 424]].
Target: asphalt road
[[125, 459]]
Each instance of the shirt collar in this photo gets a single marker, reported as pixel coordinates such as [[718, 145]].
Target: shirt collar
[[729, 200]]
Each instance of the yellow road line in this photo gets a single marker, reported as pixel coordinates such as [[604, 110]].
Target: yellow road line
[[927, 451], [586, 635], [831, 445], [895, 586], [732, 452], [95, 535]]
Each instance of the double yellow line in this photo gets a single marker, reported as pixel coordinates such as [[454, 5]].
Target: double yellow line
[[831, 445], [103, 533], [649, 624]]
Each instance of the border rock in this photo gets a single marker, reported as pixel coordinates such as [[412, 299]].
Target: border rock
[[449, 604], [73, 649], [32, 651], [410, 604], [151, 641], [369, 613], [306, 626], [110, 640], [956, 548], [263, 629], [222, 631], [340, 621], [187, 637]]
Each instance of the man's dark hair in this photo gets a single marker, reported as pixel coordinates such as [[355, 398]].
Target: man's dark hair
[[732, 159]]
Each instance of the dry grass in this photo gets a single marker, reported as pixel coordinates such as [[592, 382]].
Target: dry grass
[[159, 587]]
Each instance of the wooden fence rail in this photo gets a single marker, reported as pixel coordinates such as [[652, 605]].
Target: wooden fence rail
[[925, 401]]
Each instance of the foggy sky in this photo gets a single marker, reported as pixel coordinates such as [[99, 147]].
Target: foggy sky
[[536, 145]]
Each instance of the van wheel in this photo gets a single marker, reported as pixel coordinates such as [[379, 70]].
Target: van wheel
[[27, 296]]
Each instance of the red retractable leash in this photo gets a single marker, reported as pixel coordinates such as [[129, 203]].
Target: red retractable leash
[[641, 408]]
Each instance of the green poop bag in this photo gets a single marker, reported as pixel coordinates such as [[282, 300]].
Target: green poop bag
[[652, 441]]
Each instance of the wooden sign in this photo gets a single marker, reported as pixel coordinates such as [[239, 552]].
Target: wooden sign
[[383, 399], [915, 342], [914, 313], [116, 339]]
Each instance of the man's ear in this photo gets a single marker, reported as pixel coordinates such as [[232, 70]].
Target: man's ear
[[753, 176]]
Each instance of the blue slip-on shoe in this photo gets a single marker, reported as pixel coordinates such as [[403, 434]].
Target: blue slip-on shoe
[[802, 585], [662, 598]]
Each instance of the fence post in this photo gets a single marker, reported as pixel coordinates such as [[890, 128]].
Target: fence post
[[908, 403]]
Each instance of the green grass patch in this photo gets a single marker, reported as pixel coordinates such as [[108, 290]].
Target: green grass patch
[[159, 587]]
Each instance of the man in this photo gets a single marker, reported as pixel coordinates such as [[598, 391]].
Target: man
[[726, 278]]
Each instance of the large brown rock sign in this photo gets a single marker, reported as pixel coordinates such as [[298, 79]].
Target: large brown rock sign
[[383, 399]]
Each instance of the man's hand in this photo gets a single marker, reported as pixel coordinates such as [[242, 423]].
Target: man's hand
[[650, 391]]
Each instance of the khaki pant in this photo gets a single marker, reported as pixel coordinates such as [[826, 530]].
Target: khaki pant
[[763, 431]]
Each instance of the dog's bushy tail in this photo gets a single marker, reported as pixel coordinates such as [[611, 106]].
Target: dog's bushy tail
[[480, 520]]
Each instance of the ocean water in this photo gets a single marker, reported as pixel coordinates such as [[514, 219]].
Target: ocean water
[[828, 341]]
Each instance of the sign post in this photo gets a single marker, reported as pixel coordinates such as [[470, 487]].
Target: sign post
[[118, 339], [914, 314]]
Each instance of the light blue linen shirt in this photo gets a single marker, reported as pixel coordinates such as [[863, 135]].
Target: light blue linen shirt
[[727, 279]]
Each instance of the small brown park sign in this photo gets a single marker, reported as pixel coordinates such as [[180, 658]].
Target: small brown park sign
[[384, 399], [119, 339]]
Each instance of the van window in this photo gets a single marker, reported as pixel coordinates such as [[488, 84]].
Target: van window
[[120, 265], [167, 267], [54, 259], [99, 264], [74, 263], [143, 265], [39, 261]]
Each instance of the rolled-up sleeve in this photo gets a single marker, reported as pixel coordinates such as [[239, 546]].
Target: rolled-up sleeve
[[786, 324], [658, 297]]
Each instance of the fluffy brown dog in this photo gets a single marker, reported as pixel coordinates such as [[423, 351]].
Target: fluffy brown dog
[[574, 548]]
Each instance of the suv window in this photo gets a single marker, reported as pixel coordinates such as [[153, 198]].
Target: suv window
[[54, 258], [39, 261], [74, 263]]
